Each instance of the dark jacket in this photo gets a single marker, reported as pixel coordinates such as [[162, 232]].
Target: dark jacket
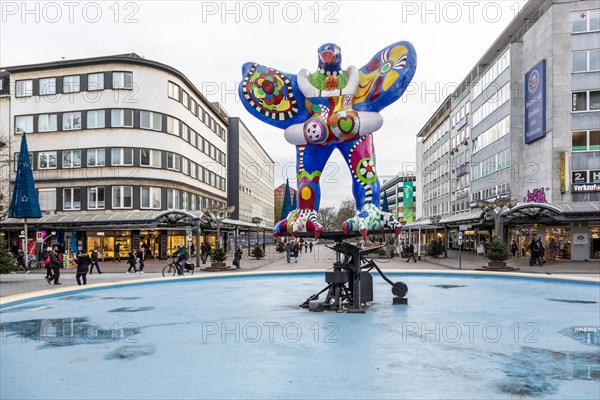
[[54, 261], [83, 261], [94, 256]]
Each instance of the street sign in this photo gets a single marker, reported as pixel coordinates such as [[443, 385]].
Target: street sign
[[39, 237], [464, 227], [460, 242], [460, 236], [190, 237]]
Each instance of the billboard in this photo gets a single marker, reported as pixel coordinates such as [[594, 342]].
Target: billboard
[[407, 201], [535, 102]]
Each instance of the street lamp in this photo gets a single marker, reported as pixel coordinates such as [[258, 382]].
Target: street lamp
[[496, 207], [258, 221], [218, 213]]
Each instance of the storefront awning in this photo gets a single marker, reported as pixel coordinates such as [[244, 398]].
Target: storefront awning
[[528, 213]]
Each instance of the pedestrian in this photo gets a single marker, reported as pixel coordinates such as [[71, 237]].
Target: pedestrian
[[192, 249], [46, 262], [94, 262], [83, 261], [289, 249], [542, 252], [553, 249], [141, 256], [237, 258], [131, 261], [54, 266], [306, 247], [411, 252], [117, 252], [310, 246], [297, 248], [513, 248], [21, 261], [534, 253]]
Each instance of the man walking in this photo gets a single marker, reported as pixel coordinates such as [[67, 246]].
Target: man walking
[[553, 249], [94, 261], [141, 256], [117, 252], [411, 252], [54, 266]]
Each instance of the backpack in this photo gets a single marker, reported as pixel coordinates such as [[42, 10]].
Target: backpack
[[47, 260]]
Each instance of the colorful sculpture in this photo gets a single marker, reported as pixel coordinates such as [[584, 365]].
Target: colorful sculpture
[[330, 109]]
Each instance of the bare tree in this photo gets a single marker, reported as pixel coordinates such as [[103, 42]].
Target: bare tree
[[327, 217], [346, 211]]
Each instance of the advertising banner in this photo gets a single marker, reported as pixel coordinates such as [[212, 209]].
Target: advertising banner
[[407, 201], [535, 103]]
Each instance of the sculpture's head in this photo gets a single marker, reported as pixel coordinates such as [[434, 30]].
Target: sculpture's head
[[330, 58]]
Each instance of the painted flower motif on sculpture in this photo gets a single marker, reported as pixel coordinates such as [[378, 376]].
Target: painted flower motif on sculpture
[[382, 73], [268, 87]]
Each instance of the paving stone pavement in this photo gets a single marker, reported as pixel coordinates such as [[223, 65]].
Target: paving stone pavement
[[320, 258]]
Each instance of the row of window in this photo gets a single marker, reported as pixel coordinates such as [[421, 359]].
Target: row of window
[[585, 21], [121, 197], [491, 105], [461, 113], [585, 140], [585, 61], [490, 165], [117, 118], [119, 156], [177, 93], [494, 191], [498, 130], [73, 83], [436, 135], [491, 74], [437, 154], [588, 100], [461, 137]]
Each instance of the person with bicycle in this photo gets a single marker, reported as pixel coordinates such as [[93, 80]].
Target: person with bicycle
[[181, 255]]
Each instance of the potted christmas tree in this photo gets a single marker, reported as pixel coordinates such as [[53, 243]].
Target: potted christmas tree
[[497, 253], [257, 252], [218, 257]]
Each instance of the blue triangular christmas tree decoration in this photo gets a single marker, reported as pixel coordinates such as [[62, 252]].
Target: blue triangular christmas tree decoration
[[24, 202], [294, 202], [287, 205], [385, 207]]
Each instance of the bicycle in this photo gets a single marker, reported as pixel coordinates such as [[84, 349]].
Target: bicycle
[[171, 269]]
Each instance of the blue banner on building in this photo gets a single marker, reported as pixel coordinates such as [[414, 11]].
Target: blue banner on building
[[535, 102]]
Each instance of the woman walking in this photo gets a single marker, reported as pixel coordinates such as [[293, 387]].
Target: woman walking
[[83, 261]]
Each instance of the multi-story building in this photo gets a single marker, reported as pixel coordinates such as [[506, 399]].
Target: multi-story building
[[279, 196], [124, 150], [401, 195], [251, 177], [525, 124]]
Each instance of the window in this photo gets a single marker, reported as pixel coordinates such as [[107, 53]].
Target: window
[[47, 199], [122, 80], [585, 140], [194, 203], [185, 200], [71, 84], [585, 61], [95, 119], [24, 123], [185, 99], [172, 199], [46, 122], [47, 86], [185, 132], [96, 158], [174, 161], [71, 159], [72, 199], [585, 21], [193, 169], [194, 107], [122, 118], [586, 101], [47, 160], [150, 197], [173, 91], [151, 120], [121, 197], [24, 88], [71, 120], [121, 156], [184, 165], [96, 82], [95, 198], [150, 158], [173, 126]]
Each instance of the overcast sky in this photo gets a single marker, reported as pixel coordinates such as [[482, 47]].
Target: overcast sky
[[209, 41]]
